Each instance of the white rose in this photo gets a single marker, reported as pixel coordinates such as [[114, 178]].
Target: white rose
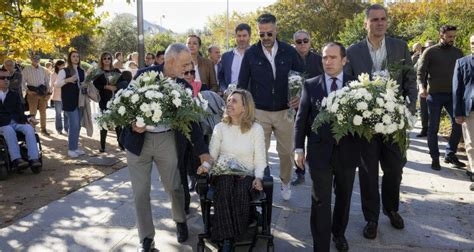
[[357, 120], [177, 102], [121, 110], [159, 95], [368, 97], [366, 114], [379, 128], [145, 107], [378, 111], [135, 98], [390, 106], [343, 100], [157, 116], [175, 93], [149, 94], [140, 122], [189, 91], [386, 119], [392, 128], [334, 108], [380, 101], [127, 93], [148, 114], [361, 106]]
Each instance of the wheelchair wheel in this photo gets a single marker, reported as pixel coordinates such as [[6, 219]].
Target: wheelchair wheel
[[3, 171]]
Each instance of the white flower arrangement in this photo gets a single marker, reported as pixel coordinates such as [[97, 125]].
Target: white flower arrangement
[[295, 85], [367, 107], [149, 102]]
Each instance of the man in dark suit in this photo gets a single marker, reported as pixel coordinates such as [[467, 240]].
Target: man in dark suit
[[164, 147], [326, 158], [376, 53], [463, 93], [312, 67], [231, 60]]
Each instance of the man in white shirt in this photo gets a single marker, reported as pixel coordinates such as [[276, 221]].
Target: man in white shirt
[[36, 84], [231, 60]]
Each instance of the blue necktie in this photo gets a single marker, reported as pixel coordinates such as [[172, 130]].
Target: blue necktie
[[334, 84]]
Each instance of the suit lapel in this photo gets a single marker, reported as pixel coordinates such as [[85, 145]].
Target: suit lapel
[[366, 56], [389, 48]]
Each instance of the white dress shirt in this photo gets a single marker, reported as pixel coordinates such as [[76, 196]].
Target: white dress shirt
[[236, 63], [271, 56], [329, 81], [378, 55]]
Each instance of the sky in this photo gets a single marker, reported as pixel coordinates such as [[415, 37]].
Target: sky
[[179, 16]]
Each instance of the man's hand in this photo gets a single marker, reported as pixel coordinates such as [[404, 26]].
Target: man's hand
[[205, 158], [257, 184], [138, 129], [32, 121], [295, 102], [201, 169], [110, 87], [460, 119], [423, 92], [299, 159]]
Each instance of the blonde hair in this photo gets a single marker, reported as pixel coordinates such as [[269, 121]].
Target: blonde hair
[[248, 116]]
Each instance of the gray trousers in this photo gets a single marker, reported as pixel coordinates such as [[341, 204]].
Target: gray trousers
[[161, 149]]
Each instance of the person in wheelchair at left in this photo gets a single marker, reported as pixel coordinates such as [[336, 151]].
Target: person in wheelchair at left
[[12, 120], [237, 148]]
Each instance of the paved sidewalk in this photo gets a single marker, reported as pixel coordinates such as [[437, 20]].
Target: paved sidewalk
[[437, 206]]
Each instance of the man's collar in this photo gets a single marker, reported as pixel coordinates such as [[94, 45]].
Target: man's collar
[[274, 47], [382, 42], [339, 76]]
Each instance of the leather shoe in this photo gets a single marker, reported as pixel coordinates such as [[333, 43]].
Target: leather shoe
[[45, 132], [147, 245], [370, 230], [435, 165], [299, 180], [341, 243], [20, 163], [35, 163], [471, 187], [395, 219], [454, 161], [182, 231]]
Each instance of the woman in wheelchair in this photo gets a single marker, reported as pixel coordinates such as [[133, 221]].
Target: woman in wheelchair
[[12, 120], [237, 148]]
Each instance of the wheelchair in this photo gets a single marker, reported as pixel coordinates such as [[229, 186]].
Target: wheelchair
[[262, 230], [6, 164]]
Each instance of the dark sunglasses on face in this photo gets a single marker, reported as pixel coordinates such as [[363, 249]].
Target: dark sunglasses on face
[[190, 72], [269, 34], [301, 41]]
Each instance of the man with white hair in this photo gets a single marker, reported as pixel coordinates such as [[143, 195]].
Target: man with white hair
[[163, 146]]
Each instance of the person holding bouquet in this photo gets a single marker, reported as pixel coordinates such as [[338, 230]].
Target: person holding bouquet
[[104, 83], [238, 151], [326, 158]]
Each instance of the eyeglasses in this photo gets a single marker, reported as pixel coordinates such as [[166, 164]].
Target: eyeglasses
[[301, 41], [269, 34], [107, 58], [190, 72], [3, 77]]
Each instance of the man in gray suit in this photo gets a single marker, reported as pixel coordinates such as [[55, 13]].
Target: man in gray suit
[[376, 53]]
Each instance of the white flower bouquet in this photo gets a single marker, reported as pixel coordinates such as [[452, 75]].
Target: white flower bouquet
[[229, 165], [295, 85], [367, 107], [150, 102]]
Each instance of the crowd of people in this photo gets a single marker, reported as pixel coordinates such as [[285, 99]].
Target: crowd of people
[[437, 75]]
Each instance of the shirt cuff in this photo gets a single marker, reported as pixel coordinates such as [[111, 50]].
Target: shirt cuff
[[299, 150]]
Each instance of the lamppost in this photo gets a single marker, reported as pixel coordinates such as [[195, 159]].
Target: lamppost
[[141, 37], [227, 28]]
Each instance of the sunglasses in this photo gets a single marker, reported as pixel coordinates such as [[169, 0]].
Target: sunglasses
[[107, 58], [3, 77], [190, 72], [269, 34], [301, 41]]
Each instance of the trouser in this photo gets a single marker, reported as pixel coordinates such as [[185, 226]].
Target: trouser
[[74, 122], [392, 163], [321, 226], [468, 132], [103, 137], [9, 134], [275, 121], [436, 102], [37, 102], [423, 112], [159, 148], [232, 206], [58, 107]]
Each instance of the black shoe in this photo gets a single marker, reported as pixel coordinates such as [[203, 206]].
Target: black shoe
[[101, 150], [299, 180], [226, 246], [435, 165], [35, 163], [182, 231], [147, 245], [395, 219], [370, 230], [470, 175], [341, 243], [192, 184], [20, 163], [423, 133], [454, 161]]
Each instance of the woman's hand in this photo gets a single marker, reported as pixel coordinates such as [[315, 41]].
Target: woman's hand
[[71, 79], [257, 184], [201, 170]]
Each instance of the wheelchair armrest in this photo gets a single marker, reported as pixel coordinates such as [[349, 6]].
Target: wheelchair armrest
[[267, 183], [202, 184]]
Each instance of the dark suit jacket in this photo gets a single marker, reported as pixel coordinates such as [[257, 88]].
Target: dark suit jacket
[[158, 68], [207, 74], [133, 141], [359, 61], [12, 109], [225, 73], [463, 80], [321, 144], [256, 75]]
